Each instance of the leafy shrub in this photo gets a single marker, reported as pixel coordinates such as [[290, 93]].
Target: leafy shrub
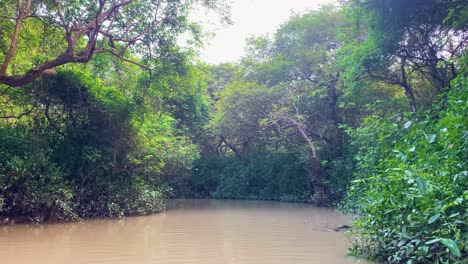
[[412, 184], [142, 199], [273, 176], [32, 186], [162, 156], [72, 158]]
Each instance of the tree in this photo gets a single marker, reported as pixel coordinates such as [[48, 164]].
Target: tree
[[298, 65], [405, 43], [241, 107], [310, 43], [282, 118], [88, 27]]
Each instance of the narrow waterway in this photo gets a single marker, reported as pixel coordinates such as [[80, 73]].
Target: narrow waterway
[[191, 231]]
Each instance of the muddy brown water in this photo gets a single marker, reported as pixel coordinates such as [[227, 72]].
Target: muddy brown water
[[192, 232]]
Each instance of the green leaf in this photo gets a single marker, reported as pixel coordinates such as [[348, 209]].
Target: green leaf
[[454, 215], [431, 138], [407, 124], [401, 243], [433, 218], [422, 185], [432, 241], [452, 246]]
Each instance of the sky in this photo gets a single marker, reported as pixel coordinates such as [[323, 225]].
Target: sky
[[250, 18]]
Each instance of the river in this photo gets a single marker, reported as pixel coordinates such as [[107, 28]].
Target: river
[[192, 232]]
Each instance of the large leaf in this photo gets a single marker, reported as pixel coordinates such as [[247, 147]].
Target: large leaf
[[452, 246], [433, 218], [431, 138], [422, 185], [432, 241]]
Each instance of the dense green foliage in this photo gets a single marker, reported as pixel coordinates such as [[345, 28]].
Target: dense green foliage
[[77, 156], [107, 138], [84, 149], [362, 106], [264, 176], [411, 183], [331, 88], [409, 172]]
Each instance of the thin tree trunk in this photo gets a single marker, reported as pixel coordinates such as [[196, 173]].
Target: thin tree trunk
[[407, 86], [333, 97], [321, 191], [233, 148], [14, 40]]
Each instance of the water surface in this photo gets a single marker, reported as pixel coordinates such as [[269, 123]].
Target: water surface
[[192, 232]]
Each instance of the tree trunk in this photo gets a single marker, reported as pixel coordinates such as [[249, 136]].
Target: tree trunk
[[14, 40], [333, 97], [321, 191], [233, 148], [407, 86]]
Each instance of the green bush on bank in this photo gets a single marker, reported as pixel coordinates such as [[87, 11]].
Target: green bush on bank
[[81, 154], [32, 186], [411, 187], [272, 176]]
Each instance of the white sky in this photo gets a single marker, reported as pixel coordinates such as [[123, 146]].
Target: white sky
[[250, 17]]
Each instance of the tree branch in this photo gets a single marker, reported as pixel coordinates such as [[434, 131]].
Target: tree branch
[[69, 56], [29, 111], [113, 52], [14, 40], [62, 18]]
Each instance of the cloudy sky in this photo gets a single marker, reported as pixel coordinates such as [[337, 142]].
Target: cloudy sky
[[250, 17]]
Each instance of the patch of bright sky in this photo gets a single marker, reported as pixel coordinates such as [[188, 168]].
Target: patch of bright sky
[[250, 18]]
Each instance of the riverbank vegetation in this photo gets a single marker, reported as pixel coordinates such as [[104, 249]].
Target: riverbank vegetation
[[98, 107], [363, 106]]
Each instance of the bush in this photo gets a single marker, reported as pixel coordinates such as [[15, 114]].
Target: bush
[[73, 157], [273, 176], [33, 187], [141, 198], [412, 184]]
